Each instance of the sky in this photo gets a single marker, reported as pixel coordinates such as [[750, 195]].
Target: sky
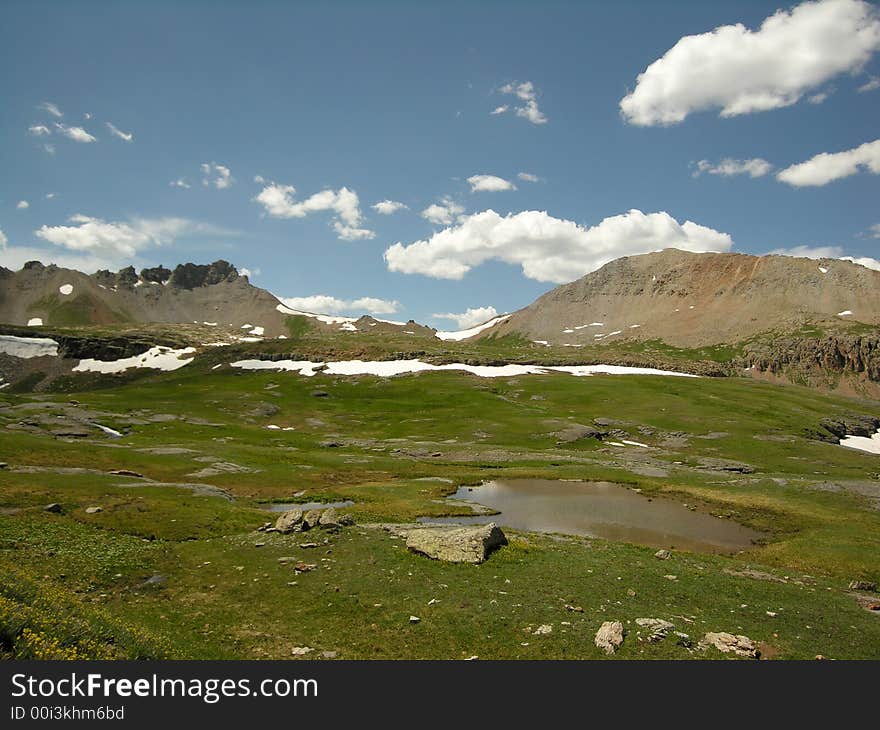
[[416, 160]]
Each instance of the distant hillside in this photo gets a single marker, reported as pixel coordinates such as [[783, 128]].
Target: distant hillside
[[211, 293], [699, 299]]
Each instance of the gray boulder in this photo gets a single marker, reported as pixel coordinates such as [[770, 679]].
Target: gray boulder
[[311, 518], [728, 643], [454, 544], [609, 636], [329, 518], [290, 521]]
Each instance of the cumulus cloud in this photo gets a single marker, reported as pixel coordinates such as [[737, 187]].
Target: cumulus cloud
[[180, 183], [489, 183], [218, 176], [871, 84], [527, 94], [527, 177], [39, 130], [278, 201], [77, 134], [827, 167], [826, 252], [728, 167], [120, 238], [547, 248], [471, 317], [48, 106], [22, 205], [388, 207], [326, 304], [443, 213], [819, 98], [116, 132], [3, 239], [742, 71]]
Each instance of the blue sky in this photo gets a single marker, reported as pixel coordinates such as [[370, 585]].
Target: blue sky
[[393, 101]]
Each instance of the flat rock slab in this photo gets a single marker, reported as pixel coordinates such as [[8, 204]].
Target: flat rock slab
[[455, 544]]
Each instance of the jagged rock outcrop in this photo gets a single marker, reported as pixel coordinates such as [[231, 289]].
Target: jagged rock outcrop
[[191, 276], [838, 353]]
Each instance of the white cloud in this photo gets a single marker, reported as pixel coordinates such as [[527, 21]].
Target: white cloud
[[818, 98], [39, 130], [218, 176], [526, 93], [489, 183], [3, 239], [470, 317], [111, 239], [547, 248], [827, 167], [871, 84], [14, 257], [874, 231], [50, 196], [443, 213], [326, 304], [742, 71], [116, 132], [388, 207], [50, 148], [87, 116], [278, 202], [48, 106], [527, 177], [259, 179], [77, 134], [23, 205], [827, 252], [754, 167], [180, 183]]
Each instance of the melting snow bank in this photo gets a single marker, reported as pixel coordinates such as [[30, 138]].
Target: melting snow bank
[[26, 347], [389, 368], [157, 358], [863, 443], [464, 334]]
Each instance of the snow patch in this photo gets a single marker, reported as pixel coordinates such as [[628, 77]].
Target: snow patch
[[863, 443], [844, 313], [157, 358], [66, 289], [348, 327], [35, 322], [27, 347], [108, 431], [390, 368], [464, 334], [823, 269]]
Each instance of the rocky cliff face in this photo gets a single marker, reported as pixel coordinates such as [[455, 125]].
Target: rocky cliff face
[[837, 353], [694, 300]]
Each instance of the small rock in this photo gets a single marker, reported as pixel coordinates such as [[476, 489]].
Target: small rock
[[609, 636], [53, 507], [726, 643], [301, 650], [126, 473], [320, 394], [94, 510], [304, 567], [574, 609], [683, 640], [308, 544], [259, 544], [862, 585], [671, 577], [663, 555], [329, 654], [284, 560], [657, 627], [414, 619], [290, 521], [543, 630], [154, 581]]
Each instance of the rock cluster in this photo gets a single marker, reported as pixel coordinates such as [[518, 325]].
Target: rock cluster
[[295, 520]]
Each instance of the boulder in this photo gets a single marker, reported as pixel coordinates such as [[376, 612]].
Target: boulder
[[53, 507], [94, 510], [290, 521], [311, 518], [662, 555], [726, 643], [329, 518], [454, 544], [609, 636]]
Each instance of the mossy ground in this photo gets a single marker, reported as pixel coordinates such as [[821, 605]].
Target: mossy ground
[[224, 597]]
